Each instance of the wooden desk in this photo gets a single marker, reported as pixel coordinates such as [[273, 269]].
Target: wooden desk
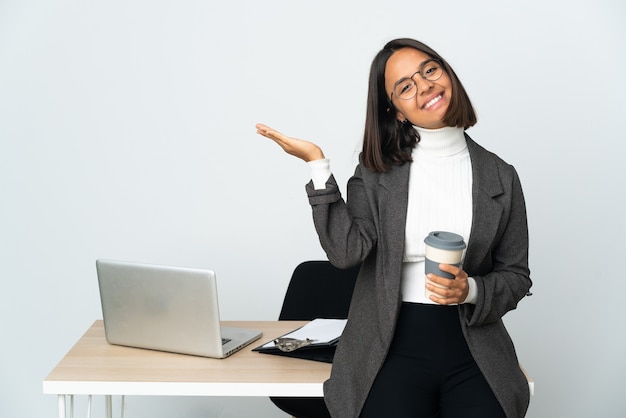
[[94, 367]]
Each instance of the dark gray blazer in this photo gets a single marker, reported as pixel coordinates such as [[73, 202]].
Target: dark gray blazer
[[369, 228]]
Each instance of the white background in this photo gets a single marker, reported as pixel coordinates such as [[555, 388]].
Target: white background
[[127, 132]]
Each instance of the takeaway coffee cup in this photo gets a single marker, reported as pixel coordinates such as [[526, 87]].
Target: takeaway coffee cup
[[442, 247]]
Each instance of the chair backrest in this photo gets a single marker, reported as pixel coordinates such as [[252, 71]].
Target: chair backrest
[[318, 290]]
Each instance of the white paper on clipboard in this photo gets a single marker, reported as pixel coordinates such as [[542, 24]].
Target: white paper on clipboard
[[320, 330]]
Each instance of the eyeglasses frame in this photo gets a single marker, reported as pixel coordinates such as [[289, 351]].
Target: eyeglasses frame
[[422, 65]]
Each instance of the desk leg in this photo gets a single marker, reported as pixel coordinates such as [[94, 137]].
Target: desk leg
[[63, 407], [108, 401], [61, 401]]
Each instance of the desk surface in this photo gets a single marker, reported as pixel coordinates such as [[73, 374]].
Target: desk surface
[[95, 367]]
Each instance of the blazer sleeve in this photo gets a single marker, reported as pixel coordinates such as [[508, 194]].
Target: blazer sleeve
[[503, 278], [346, 230]]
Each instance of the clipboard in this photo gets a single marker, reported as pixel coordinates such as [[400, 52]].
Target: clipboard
[[324, 335]]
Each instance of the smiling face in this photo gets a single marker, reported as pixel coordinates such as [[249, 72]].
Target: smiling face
[[428, 108]]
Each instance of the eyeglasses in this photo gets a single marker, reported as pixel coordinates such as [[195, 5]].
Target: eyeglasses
[[406, 88]]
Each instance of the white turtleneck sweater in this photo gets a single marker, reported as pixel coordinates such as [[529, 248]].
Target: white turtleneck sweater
[[440, 199]]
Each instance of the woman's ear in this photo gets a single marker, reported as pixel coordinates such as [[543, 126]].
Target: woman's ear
[[401, 118]]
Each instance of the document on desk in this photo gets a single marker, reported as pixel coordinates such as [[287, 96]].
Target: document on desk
[[320, 331], [315, 341]]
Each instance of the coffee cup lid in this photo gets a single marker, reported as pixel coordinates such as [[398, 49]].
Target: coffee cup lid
[[445, 240]]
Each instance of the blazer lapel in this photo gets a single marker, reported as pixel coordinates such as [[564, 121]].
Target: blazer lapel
[[486, 186], [393, 197]]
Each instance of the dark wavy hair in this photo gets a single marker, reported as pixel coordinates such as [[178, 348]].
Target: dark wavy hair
[[386, 140]]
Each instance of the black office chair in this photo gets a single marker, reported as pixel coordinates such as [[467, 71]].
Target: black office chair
[[317, 290]]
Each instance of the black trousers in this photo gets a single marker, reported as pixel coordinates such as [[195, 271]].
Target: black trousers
[[429, 371]]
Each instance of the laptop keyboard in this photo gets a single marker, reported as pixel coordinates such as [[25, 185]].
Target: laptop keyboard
[[225, 341]]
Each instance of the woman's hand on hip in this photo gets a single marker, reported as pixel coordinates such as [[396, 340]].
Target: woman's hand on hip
[[452, 290], [300, 148]]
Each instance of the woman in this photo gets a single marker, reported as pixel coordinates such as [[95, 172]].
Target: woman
[[412, 349]]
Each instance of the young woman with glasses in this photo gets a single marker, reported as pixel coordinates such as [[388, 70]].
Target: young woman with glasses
[[410, 348]]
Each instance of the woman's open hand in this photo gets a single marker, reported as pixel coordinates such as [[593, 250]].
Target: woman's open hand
[[300, 148]]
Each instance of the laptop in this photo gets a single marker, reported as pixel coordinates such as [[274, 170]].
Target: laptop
[[165, 308]]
